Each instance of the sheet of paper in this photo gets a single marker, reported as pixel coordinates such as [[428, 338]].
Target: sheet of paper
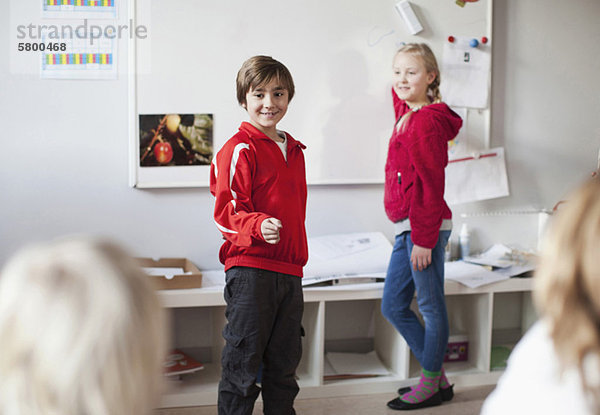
[[85, 58], [515, 270], [356, 364], [307, 281], [509, 262], [497, 256], [466, 73], [327, 369], [471, 275], [347, 254], [106, 9], [347, 287], [334, 246], [213, 278], [473, 179]]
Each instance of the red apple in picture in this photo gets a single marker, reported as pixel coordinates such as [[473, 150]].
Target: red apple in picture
[[163, 152]]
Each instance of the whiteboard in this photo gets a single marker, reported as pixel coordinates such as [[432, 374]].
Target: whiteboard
[[339, 53]]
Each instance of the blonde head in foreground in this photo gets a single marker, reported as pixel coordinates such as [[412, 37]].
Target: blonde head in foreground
[[567, 285], [81, 332]]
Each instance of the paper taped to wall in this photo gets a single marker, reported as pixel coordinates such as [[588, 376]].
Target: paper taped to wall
[[466, 74], [479, 177]]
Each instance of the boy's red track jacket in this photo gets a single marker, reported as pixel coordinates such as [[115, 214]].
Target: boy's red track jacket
[[252, 181]]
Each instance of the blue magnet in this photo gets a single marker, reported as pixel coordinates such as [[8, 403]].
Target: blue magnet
[[474, 43]]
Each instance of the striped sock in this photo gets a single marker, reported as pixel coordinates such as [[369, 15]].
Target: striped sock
[[427, 387]]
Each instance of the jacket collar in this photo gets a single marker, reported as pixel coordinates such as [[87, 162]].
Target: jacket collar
[[254, 132]]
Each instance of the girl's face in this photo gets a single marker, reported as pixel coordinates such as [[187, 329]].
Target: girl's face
[[411, 79]]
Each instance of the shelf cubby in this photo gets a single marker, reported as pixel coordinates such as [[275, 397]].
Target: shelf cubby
[[347, 319]]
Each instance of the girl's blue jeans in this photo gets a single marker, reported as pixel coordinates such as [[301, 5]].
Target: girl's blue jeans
[[427, 341]]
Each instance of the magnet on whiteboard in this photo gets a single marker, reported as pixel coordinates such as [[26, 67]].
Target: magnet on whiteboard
[[410, 18], [474, 43]]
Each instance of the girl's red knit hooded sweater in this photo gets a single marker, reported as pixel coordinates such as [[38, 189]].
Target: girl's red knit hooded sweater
[[414, 171]]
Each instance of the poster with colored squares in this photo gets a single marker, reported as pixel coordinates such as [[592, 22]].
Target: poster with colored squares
[[80, 9], [81, 59]]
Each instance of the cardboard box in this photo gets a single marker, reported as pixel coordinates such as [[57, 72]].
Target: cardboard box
[[179, 281]]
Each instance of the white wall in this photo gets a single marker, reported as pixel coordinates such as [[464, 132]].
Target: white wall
[[64, 161], [545, 108], [546, 99]]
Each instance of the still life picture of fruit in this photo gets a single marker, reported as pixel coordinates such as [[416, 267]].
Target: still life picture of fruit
[[176, 139]]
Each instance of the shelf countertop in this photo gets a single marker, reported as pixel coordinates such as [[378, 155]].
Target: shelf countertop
[[213, 296]]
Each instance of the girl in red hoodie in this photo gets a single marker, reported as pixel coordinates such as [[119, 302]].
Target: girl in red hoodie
[[414, 202]]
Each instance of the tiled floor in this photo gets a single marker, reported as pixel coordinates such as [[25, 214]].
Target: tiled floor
[[467, 401]]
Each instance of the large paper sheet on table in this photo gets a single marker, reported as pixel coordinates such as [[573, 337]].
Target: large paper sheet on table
[[343, 254], [471, 275]]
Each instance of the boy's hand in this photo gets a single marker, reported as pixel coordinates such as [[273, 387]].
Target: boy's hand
[[420, 257], [270, 230]]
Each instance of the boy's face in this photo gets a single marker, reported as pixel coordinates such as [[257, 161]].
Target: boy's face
[[266, 105]]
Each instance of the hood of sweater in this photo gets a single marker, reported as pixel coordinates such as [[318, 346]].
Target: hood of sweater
[[443, 117], [440, 116]]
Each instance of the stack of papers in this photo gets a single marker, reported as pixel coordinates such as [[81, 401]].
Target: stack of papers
[[345, 279], [471, 275], [496, 264], [353, 255], [498, 256]]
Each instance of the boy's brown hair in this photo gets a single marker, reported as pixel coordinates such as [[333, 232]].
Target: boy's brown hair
[[260, 70]]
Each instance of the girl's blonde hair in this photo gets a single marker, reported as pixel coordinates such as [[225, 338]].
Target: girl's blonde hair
[[431, 65], [567, 285], [81, 332]]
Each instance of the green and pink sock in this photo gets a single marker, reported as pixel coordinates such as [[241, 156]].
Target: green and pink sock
[[428, 386], [444, 384]]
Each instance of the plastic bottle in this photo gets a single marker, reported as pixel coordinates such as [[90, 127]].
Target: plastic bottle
[[464, 241]]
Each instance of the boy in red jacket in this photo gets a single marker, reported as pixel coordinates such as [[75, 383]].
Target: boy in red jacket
[[259, 181]]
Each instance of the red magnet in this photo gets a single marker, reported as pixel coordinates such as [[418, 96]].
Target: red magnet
[[451, 39], [484, 40]]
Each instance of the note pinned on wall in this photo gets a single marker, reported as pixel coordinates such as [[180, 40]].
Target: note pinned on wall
[[466, 73], [474, 178]]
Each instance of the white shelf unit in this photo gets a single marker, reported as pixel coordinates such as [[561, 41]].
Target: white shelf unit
[[479, 313]]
